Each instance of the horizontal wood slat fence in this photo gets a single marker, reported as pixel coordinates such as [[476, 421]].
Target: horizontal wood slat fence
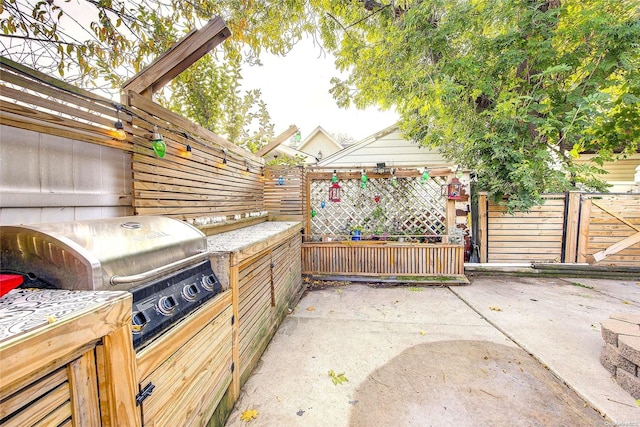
[[567, 228], [403, 261], [37, 102], [285, 199], [215, 181]]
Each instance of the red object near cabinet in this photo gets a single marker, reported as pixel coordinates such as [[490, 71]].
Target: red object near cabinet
[[8, 282]]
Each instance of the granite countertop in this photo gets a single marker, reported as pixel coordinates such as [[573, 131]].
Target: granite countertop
[[23, 310], [236, 240]]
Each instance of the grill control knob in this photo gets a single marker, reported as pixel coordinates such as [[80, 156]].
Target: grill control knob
[[166, 305], [208, 282], [138, 320], [190, 292]]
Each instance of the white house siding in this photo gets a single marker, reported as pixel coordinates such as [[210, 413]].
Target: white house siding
[[621, 173], [45, 178], [385, 147], [318, 141]]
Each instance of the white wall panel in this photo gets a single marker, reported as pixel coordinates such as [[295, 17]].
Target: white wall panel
[[19, 159], [56, 161], [44, 178]]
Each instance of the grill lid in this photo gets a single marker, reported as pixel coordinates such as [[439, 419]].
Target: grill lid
[[102, 254]]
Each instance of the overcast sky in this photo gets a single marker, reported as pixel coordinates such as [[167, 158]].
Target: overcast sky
[[296, 90]]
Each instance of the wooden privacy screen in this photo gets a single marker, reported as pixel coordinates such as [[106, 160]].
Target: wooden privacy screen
[[567, 228], [404, 261], [35, 101], [284, 199], [216, 179]]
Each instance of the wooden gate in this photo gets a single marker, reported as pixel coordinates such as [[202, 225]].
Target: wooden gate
[[602, 229]]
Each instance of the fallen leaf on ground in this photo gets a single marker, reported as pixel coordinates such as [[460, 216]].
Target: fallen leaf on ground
[[337, 378], [339, 291], [625, 302], [311, 308], [423, 333], [495, 308], [51, 319], [249, 415]]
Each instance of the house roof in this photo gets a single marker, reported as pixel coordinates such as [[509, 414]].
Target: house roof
[[312, 135], [358, 145], [292, 152]]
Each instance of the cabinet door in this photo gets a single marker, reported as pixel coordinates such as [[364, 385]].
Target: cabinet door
[[191, 382], [65, 396]]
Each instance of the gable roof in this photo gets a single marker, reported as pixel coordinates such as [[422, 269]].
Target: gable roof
[[291, 152], [312, 136]]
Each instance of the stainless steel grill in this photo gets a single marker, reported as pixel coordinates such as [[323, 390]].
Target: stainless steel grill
[[163, 262]]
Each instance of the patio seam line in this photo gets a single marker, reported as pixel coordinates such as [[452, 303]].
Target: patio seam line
[[540, 361]]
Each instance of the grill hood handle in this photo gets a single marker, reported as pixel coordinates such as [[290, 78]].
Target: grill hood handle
[[157, 272]]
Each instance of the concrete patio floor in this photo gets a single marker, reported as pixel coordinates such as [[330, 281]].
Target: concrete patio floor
[[501, 351]]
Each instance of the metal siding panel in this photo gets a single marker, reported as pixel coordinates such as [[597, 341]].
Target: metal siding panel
[[19, 159], [56, 161]]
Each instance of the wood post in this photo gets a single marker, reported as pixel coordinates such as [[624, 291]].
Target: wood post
[[583, 235], [483, 226], [572, 227]]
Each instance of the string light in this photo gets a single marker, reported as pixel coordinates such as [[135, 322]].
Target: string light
[[425, 175], [363, 179], [186, 152], [120, 133], [157, 141], [459, 172], [223, 164]]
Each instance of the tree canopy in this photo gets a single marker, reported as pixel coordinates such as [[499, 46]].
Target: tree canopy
[[110, 40], [513, 89], [101, 44]]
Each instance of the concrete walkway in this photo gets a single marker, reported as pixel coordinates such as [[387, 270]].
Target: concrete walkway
[[434, 356]]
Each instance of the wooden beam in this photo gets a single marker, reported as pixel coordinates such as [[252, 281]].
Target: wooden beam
[[277, 141], [177, 59], [617, 247]]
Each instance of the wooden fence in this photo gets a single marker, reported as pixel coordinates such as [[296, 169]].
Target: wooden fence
[[407, 262], [202, 178], [214, 179], [285, 198], [602, 229]]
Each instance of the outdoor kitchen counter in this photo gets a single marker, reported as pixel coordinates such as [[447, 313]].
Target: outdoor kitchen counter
[[24, 311], [48, 342], [256, 236], [232, 247]]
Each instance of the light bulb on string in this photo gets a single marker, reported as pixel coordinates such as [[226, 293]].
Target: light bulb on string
[[459, 172], [334, 178], [157, 141], [223, 164], [363, 179], [280, 180], [120, 133], [186, 151], [425, 175]]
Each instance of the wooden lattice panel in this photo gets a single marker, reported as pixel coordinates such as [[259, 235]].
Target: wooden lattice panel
[[412, 207]]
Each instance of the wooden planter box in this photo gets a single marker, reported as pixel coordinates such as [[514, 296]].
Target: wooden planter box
[[383, 261]]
